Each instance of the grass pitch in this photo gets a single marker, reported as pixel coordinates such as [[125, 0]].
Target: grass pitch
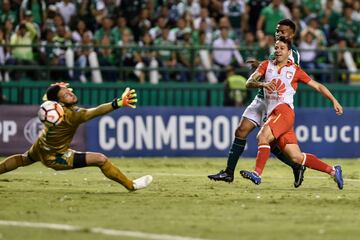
[[181, 202]]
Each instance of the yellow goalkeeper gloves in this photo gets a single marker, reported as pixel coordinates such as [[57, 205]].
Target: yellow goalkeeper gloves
[[128, 99]]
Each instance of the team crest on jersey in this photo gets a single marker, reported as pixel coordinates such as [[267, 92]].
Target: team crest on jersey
[[289, 75]]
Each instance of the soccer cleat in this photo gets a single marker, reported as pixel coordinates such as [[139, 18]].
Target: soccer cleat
[[222, 176], [298, 176], [142, 182], [252, 176], [338, 177]]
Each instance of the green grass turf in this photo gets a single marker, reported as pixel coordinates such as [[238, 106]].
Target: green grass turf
[[183, 202]]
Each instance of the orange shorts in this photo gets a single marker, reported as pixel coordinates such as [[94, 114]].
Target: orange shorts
[[281, 123]]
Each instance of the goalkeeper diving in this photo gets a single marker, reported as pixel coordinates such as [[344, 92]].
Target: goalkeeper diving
[[52, 147]]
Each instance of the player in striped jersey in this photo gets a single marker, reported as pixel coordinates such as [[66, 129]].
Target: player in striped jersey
[[255, 116]]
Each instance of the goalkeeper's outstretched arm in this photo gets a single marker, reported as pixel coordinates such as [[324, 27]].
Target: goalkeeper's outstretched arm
[[127, 99]]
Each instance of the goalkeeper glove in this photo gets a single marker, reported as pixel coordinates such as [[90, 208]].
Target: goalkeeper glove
[[128, 99]]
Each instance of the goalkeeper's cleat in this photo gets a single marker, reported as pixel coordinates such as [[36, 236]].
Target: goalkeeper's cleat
[[142, 182], [338, 177], [222, 176], [298, 175], [252, 176]]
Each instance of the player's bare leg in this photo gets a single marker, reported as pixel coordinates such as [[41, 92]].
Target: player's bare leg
[[242, 132], [311, 161], [13, 162], [112, 172]]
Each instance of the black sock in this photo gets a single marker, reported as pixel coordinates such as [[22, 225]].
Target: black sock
[[236, 150], [277, 152]]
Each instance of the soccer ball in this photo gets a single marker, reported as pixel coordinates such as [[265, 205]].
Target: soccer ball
[[51, 113]]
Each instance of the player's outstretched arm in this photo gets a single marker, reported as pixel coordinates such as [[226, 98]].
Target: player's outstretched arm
[[326, 93], [127, 99]]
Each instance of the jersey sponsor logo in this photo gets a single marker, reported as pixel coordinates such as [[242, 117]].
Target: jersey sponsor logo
[[279, 88], [32, 129]]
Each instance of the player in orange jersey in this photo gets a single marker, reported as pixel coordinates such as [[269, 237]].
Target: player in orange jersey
[[255, 116], [52, 147], [279, 79]]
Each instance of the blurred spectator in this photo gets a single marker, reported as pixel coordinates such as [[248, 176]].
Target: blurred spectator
[[187, 58], [49, 22], [8, 30], [7, 14], [121, 25], [343, 59], [156, 31], [84, 12], [204, 29], [128, 56], [299, 22], [107, 59], [356, 11], [36, 7], [79, 32], [235, 11], [329, 20], [314, 28], [144, 24], [166, 56], [66, 9], [49, 55], [252, 50], [4, 76], [147, 59], [130, 9], [86, 56], [23, 55], [225, 23], [308, 46], [59, 21], [177, 34], [253, 11], [347, 28], [28, 18], [235, 89], [311, 8], [193, 7], [205, 60], [105, 30], [64, 51], [224, 49], [269, 17], [99, 11], [111, 7], [204, 16]]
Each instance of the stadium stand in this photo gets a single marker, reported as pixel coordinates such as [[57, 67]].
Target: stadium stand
[[171, 41]]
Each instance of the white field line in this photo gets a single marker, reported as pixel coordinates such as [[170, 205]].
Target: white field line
[[103, 231]]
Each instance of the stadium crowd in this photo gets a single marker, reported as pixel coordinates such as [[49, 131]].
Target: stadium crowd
[[162, 40]]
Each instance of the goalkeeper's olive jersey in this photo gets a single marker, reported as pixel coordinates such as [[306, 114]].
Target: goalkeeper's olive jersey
[[58, 138], [294, 57]]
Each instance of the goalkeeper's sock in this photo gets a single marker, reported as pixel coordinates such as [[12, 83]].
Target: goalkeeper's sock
[[236, 150], [263, 155], [114, 173], [11, 163], [277, 152], [313, 162]]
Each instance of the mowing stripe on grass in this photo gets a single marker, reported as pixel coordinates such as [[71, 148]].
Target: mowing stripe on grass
[[103, 231]]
